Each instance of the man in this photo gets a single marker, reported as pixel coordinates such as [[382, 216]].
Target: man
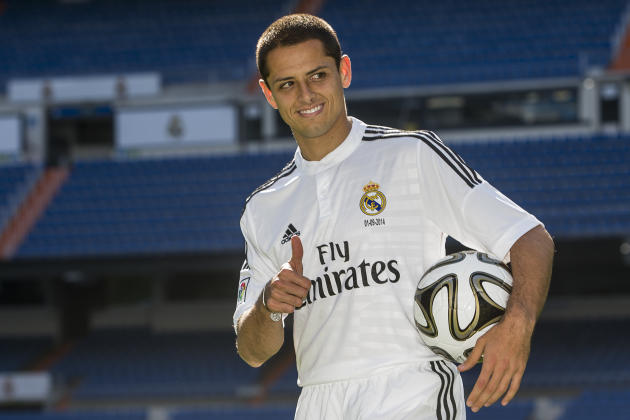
[[341, 236]]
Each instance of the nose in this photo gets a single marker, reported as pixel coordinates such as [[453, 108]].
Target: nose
[[306, 94]]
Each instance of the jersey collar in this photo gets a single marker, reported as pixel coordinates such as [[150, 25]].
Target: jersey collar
[[333, 158]]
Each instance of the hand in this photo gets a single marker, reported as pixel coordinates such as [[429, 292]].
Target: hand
[[288, 289], [505, 350]]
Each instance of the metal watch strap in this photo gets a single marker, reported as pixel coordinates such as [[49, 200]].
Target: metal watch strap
[[275, 316]]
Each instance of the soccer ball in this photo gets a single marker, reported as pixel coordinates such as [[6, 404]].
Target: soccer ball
[[458, 300]]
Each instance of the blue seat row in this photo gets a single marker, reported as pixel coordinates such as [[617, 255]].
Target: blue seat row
[[76, 415], [12, 177], [577, 186], [454, 41], [19, 352], [602, 404], [392, 44], [135, 363]]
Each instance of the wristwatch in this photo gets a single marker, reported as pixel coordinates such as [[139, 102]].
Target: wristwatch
[[275, 316]]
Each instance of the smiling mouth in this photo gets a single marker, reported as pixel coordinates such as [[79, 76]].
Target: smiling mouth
[[311, 111]]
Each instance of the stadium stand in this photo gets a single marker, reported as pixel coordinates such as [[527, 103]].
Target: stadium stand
[[135, 363], [609, 405], [422, 43], [77, 415], [516, 410], [19, 352], [13, 178], [393, 44], [167, 205], [186, 41], [578, 186], [236, 413]]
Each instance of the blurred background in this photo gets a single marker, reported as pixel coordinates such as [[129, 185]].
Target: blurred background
[[132, 131]]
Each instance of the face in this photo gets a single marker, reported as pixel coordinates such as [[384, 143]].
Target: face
[[306, 88]]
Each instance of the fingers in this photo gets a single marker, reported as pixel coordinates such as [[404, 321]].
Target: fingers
[[493, 382], [474, 356], [482, 381], [286, 291], [289, 288], [297, 252], [500, 390], [280, 300], [515, 385]]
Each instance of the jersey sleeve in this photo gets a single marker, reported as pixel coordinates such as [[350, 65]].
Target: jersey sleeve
[[256, 271], [465, 206]]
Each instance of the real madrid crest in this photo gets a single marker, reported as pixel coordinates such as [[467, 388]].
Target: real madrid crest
[[373, 202]]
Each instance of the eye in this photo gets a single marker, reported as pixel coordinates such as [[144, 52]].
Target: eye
[[286, 85], [319, 75]]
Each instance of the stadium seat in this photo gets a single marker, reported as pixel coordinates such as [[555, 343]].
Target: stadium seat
[[76, 415], [237, 413], [578, 186], [19, 352], [13, 179], [392, 44], [135, 363], [604, 404]]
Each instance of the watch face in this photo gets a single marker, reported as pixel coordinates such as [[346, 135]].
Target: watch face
[[275, 316]]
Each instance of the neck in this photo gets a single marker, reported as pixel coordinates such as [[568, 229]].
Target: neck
[[316, 148]]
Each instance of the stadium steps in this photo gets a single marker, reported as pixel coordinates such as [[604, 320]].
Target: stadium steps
[[15, 183], [31, 209], [621, 61], [20, 353], [46, 361]]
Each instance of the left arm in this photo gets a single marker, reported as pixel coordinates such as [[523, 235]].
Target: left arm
[[505, 347]]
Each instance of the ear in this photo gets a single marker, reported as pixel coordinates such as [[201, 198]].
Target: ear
[[345, 69], [268, 95]]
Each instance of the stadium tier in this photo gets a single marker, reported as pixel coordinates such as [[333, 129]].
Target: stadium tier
[[19, 352], [135, 363], [128, 364], [138, 364], [577, 186], [13, 178], [397, 43], [194, 40], [609, 405], [163, 206], [457, 41], [76, 415], [237, 413]]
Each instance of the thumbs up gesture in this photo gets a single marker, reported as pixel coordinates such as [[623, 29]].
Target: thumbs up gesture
[[288, 289]]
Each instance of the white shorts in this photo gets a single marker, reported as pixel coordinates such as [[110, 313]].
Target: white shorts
[[431, 390]]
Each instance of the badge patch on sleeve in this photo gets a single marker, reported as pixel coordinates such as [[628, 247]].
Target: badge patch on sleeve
[[242, 289]]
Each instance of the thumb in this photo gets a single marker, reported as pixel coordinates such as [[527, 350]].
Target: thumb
[[474, 357], [297, 252]]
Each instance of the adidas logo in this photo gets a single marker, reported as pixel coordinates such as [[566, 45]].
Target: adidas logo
[[289, 233]]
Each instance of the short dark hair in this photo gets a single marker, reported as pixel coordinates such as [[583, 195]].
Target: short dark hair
[[294, 29]]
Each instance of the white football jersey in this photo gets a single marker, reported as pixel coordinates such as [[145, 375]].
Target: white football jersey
[[372, 215]]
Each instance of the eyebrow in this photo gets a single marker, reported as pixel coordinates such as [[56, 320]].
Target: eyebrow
[[315, 70]]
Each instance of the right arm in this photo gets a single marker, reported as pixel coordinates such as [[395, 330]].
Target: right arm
[[258, 337]]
